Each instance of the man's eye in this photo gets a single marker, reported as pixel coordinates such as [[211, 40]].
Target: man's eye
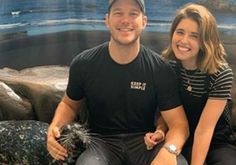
[[134, 14]]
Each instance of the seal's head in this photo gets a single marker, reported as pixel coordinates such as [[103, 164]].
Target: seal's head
[[75, 139]]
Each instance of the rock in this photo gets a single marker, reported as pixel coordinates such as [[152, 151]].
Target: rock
[[13, 106], [34, 93], [42, 87]]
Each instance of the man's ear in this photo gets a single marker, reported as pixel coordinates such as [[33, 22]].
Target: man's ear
[[107, 20]]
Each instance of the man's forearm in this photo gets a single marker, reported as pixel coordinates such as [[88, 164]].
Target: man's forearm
[[177, 136], [64, 114]]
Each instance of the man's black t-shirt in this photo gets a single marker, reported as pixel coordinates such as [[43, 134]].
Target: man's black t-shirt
[[122, 98]]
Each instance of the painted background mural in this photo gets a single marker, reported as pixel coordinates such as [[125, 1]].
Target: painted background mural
[[40, 32]]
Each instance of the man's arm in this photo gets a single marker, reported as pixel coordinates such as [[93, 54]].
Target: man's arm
[[177, 123], [177, 134], [66, 112]]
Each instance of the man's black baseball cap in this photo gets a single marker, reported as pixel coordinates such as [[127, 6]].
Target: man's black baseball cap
[[140, 2]]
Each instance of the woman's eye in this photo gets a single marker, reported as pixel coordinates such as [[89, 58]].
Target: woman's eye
[[194, 36], [117, 13], [179, 32]]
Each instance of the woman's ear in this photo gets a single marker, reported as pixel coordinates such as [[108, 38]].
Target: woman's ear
[[144, 21]]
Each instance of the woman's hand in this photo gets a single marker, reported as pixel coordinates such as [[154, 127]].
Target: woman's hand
[[153, 138]]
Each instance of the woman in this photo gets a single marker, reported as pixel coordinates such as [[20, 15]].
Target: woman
[[198, 58]]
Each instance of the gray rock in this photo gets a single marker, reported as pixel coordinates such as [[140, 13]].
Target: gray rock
[[13, 106], [40, 87]]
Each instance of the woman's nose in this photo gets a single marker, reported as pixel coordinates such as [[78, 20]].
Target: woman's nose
[[184, 39]]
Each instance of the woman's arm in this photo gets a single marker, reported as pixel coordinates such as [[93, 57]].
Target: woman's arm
[[205, 129]]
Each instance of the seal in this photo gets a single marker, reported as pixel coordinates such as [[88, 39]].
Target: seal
[[25, 142], [75, 138]]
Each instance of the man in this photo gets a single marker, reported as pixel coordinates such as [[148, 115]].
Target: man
[[125, 85]]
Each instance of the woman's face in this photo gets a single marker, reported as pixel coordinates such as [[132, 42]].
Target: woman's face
[[186, 42]]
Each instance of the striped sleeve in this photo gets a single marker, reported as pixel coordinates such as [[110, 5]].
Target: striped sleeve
[[221, 83]]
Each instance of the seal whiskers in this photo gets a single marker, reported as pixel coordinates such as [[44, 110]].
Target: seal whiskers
[[75, 138]]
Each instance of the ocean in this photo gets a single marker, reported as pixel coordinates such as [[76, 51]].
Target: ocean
[[36, 17]]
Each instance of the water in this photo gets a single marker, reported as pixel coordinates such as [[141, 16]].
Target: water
[[47, 16]]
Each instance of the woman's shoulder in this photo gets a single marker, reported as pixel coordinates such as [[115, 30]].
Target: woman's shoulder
[[223, 71], [221, 82], [223, 75]]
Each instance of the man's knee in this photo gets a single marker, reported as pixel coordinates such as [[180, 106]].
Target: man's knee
[[181, 160], [91, 160]]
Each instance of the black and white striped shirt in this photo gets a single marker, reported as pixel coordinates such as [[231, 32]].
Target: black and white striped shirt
[[220, 82]]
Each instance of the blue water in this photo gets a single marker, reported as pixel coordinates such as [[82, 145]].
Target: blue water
[[47, 16]]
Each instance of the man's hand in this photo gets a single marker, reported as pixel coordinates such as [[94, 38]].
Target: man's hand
[[53, 147]]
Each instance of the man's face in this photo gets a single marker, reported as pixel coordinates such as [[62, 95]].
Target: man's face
[[125, 22]]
